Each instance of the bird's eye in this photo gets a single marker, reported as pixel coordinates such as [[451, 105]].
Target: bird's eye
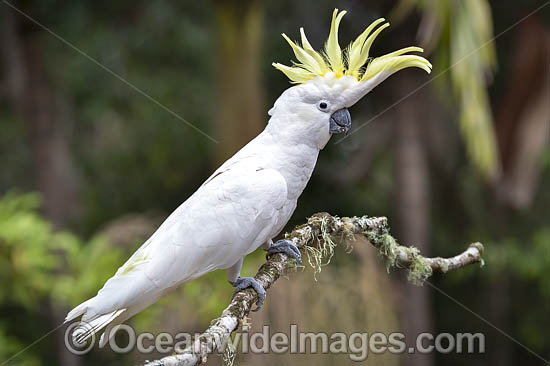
[[323, 106]]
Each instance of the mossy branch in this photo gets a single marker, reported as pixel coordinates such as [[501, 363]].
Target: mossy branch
[[318, 238]]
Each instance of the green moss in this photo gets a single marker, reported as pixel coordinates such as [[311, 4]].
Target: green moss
[[419, 269], [321, 254], [322, 230]]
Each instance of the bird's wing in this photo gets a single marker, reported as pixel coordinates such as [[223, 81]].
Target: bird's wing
[[224, 220], [229, 216]]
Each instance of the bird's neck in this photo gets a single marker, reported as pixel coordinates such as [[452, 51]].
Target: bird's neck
[[294, 160]]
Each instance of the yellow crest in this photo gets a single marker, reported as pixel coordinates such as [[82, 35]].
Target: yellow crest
[[350, 62]]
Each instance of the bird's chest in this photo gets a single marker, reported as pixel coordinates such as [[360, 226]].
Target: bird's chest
[[278, 222], [297, 170]]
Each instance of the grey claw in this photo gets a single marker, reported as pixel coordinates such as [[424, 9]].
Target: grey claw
[[287, 247], [245, 282]]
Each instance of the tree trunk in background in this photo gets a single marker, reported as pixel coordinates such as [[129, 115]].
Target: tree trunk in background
[[411, 204], [43, 112], [41, 109], [522, 117], [240, 108], [45, 118]]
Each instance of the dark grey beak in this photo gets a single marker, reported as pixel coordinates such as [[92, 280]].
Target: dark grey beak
[[340, 121]]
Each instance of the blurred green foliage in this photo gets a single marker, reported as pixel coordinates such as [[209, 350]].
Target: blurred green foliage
[[39, 266], [36, 260]]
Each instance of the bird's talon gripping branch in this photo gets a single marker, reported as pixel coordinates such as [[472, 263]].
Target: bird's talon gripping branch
[[287, 247], [245, 282]]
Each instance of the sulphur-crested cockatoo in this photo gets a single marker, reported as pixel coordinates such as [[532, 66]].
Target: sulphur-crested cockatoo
[[250, 198]]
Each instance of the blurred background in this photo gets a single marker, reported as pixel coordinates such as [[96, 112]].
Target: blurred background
[[91, 166]]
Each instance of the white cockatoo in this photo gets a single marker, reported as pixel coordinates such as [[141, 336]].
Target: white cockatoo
[[249, 199]]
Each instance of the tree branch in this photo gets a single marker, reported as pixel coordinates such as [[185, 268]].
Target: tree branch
[[317, 238]]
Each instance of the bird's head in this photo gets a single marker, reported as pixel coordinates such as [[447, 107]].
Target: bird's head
[[330, 82]]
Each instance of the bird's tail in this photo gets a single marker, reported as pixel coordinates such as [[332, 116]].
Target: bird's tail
[[78, 311], [90, 326]]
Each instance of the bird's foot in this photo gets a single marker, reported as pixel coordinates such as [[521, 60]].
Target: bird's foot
[[287, 247], [245, 282]]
